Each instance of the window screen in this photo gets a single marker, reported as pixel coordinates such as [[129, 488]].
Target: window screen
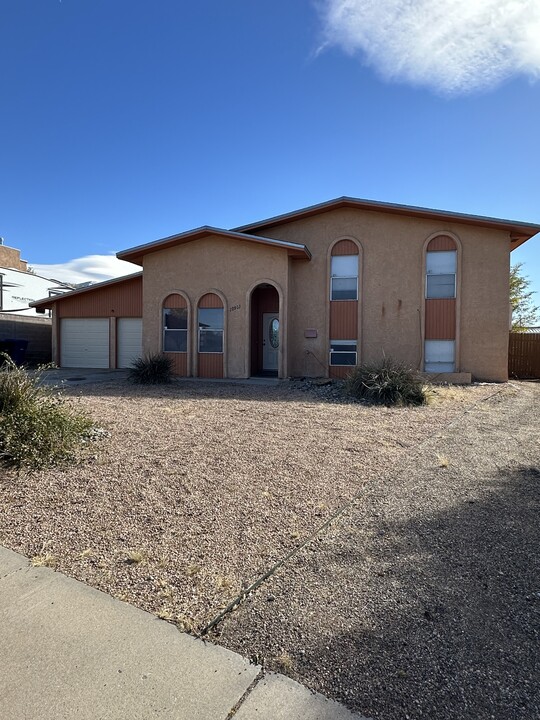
[[175, 329], [344, 280], [343, 352]]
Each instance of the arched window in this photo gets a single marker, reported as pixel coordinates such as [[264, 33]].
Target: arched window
[[175, 323], [210, 323], [441, 268], [344, 271], [344, 293], [440, 314], [210, 336]]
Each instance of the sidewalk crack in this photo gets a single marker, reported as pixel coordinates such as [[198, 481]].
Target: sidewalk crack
[[250, 689]]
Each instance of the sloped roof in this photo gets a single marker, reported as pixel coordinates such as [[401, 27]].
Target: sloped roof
[[520, 231], [136, 254]]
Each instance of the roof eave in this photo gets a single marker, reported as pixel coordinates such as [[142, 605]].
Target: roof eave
[[524, 230], [136, 254]]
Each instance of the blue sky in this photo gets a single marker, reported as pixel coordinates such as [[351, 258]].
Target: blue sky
[[124, 121]]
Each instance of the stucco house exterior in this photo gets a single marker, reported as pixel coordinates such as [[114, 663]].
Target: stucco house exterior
[[309, 293]]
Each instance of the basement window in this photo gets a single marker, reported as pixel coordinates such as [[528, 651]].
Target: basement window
[[343, 352]]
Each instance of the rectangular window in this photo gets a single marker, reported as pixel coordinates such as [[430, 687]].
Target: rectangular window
[[343, 352], [175, 329], [439, 356], [210, 330], [441, 274], [344, 277]]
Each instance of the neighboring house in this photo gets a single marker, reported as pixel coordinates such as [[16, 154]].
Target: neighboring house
[[18, 322], [310, 293], [19, 287]]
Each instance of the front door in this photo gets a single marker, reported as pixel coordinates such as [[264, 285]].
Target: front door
[[270, 341]]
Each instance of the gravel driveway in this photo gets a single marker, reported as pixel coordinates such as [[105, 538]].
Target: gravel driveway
[[422, 600], [202, 487]]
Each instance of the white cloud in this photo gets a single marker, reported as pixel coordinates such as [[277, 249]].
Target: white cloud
[[91, 267], [453, 46]]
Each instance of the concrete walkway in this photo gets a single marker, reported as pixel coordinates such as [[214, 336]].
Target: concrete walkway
[[67, 650]]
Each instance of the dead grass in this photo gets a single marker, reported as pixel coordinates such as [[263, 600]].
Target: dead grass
[[204, 486], [443, 461]]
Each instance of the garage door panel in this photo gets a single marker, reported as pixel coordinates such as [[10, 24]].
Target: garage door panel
[[84, 342], [129, 341]]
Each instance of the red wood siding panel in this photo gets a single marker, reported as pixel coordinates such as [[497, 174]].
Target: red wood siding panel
[[343, 319], [345, 247], [174, 301], [211, 365], [441, 242], [339, 372], [441, 319], [179, 363], [120, 300], [210, 300]]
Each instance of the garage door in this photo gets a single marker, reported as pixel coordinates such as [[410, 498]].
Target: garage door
[[84, 342], [129, 341]]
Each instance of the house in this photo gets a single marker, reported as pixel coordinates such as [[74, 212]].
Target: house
[[19, 286], [309, 293]]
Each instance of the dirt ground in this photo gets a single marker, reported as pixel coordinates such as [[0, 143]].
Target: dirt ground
[[423, 599], [201, 487]]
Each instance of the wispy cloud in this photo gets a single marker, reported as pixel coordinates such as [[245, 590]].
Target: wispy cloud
[[90, 267], [452, 46]]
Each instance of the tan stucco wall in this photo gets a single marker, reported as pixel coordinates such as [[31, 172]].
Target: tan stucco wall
[[229, 267], [392, 290]]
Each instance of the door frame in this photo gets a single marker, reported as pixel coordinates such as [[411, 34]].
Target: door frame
[[282, 314]]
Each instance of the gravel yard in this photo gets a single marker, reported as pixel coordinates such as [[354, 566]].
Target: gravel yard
[[423, 600], [202, 486]]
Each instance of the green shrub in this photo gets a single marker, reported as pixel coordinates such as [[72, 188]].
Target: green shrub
[[38, 428], [151, 370], [387, 383]]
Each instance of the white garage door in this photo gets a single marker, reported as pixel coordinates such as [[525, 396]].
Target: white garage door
[[129, 340], [84, 342]]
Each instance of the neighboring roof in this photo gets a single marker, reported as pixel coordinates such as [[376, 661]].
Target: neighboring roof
[[136, 254], [520, 231], [47, 303]]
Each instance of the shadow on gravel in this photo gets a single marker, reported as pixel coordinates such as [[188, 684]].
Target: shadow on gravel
[[455, 629]]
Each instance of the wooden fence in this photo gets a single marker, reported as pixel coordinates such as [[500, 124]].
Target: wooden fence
[[524, 355]]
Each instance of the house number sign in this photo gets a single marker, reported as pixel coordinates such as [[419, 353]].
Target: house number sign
[[234, 307]]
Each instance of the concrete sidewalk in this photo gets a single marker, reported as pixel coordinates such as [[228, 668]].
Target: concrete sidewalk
[[67, 650]]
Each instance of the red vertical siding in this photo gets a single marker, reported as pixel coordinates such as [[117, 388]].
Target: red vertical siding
[[339, 372], [123, 299], [211, 365], [343, 319], [179, 362], [440, 319], [174, 301], [210, 300], [345, 247], [441, 242]]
